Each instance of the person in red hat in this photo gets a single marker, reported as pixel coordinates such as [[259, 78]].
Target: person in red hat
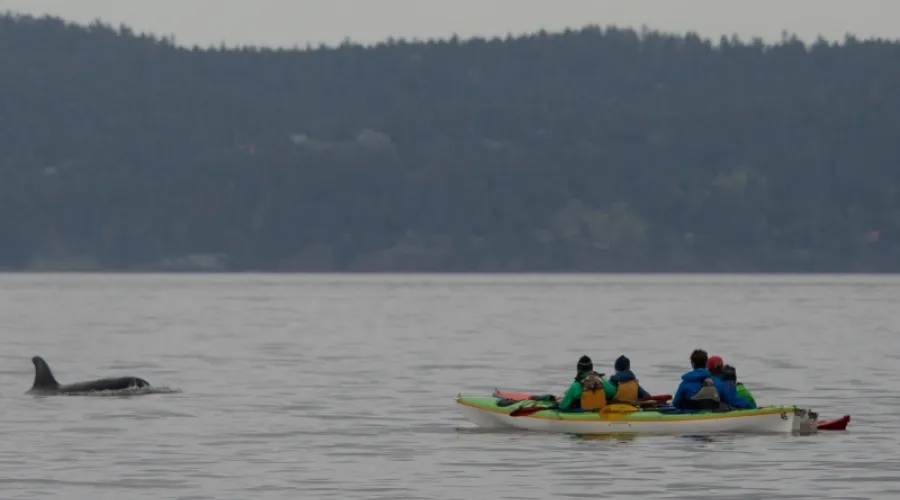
[[715, 364], [728, 374]]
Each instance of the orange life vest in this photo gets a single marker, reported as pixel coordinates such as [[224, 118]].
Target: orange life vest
[[593, 396], [627, 391]]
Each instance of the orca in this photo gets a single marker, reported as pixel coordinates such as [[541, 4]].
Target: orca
[[45, 382]]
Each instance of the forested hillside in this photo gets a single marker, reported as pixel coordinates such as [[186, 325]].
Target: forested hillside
[[590, 150]]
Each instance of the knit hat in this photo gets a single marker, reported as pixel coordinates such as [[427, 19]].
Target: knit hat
[[585, 364], [713, 362], [623, 363]]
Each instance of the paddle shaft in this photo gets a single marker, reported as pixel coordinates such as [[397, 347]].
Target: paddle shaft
[[521, 396]]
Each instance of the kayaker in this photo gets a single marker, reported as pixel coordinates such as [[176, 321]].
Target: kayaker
[[727, 373], [729, 376], [589, 391], [714, 364], [627, 386], [699, 390]]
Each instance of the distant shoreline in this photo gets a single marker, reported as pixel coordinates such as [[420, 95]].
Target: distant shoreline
[[592, 151], [454, 273]]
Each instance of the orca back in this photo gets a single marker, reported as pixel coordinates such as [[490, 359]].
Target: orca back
[[105, 384], [44, 381]]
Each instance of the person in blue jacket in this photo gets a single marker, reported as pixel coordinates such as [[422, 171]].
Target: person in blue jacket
[[699, 390]]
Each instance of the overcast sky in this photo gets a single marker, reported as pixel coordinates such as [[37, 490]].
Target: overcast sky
[[296, 22]]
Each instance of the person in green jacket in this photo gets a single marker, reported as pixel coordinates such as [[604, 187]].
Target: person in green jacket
[[586, 377], [729, 376]]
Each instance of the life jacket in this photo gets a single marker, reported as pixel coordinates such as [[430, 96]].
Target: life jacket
[[707, 398], [627, 391], [593, 396]]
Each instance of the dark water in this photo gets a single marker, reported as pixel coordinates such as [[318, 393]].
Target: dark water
[[341, 387]]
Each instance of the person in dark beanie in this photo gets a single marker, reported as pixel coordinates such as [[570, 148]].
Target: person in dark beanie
[[628, 388], [589, 391], [729, 376]]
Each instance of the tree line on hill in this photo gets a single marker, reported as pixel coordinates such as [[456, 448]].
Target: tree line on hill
[[590, 150]]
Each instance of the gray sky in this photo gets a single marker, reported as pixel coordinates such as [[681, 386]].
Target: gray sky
[[290, 22]]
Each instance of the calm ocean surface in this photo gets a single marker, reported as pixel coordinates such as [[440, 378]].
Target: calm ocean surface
[[324, 386]]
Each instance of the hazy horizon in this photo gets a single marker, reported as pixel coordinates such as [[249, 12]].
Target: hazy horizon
[[287, 23]]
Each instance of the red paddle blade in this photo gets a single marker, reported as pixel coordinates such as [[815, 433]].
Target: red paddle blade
[[518, 396], [835, 424]]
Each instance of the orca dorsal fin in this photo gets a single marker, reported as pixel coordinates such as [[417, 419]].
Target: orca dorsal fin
[[43, 377]]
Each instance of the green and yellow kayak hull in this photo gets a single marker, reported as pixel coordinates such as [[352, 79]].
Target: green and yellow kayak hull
[[623, 419]]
